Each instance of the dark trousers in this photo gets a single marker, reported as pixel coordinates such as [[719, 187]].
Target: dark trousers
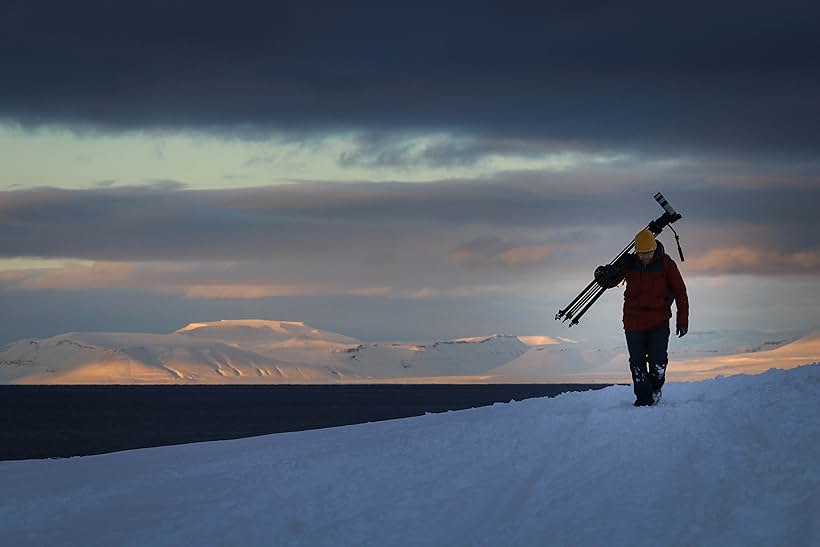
[[647, 360]]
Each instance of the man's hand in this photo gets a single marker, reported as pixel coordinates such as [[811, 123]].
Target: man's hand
[[681, 331], [605, 276]]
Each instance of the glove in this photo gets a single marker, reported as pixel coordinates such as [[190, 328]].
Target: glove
[[681, 330], [605, 275]]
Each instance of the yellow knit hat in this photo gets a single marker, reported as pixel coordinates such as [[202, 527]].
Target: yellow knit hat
[[645, 242]]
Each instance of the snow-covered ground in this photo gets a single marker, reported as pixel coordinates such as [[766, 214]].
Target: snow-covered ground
[[729, 461], [261, 351]]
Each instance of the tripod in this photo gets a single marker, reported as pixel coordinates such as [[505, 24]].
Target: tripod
[[606, 275]]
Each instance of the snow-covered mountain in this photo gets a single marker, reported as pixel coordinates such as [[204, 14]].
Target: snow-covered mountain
[[184, 356], [244, 351], [730, 461], [261, 351]]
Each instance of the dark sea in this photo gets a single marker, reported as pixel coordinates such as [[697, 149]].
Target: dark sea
[[64, 421]]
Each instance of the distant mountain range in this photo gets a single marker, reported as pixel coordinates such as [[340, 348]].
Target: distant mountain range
[[275, 352]]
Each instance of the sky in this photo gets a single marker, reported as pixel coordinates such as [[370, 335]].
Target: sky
[[402, 171]]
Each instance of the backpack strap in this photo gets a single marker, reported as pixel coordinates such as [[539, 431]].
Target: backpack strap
[[670, 296]]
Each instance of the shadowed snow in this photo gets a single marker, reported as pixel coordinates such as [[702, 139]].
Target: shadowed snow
[[730, 461]]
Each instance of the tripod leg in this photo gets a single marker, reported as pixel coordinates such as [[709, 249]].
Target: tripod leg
[[585, 297], [569, 307], [601, 290]]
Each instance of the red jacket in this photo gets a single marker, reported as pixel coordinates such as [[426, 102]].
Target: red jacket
[[650, 291]]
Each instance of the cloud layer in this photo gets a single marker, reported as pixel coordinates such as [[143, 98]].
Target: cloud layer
[[388, 239], [536, 132], [738, 77]]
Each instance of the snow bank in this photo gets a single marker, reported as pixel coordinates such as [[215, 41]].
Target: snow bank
[[731, 461]]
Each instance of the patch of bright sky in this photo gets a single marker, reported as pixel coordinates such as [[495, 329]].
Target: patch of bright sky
[[66, 159], [25, 263]]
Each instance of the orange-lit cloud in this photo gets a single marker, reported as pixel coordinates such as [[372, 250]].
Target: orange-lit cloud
[[372, 291], [208, 282], [528, 254], [78, 275], [492, 251], [750, 260], [193, 281], [250, 291], [239, 291]]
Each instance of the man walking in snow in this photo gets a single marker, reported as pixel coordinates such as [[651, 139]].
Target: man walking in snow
[[653, 282]]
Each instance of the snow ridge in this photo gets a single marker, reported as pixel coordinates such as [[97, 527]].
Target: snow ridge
[[730, 461]]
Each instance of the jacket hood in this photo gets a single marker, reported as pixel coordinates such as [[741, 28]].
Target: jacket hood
[[659, 251]]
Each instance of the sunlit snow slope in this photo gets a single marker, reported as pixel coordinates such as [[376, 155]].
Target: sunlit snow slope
[[261, 351], [244, 351], [730, 461]]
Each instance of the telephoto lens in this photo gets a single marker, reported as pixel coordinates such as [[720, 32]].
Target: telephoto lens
[[666, 207]]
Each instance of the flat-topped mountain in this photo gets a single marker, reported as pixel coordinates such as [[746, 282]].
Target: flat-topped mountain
[[254, 351]]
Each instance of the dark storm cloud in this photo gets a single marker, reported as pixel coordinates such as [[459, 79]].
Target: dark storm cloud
[[148, 223], [478, 222], [694, 77]]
